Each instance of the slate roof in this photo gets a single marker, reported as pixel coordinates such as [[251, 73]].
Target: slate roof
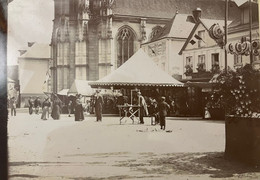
[[175, 28], [37, 51], [212, 9]]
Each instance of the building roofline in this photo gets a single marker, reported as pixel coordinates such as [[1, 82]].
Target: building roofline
[[200, 21], [139, 17], [189, 37], [177, 38]]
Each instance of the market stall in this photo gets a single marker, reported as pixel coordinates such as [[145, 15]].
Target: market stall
[[81, 87], [142, 73], [138, 71]]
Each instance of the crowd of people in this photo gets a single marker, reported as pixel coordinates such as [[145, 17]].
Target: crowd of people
[[52, 106]]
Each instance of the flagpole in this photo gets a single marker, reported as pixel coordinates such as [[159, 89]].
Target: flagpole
[[250, 30], [226, 31]]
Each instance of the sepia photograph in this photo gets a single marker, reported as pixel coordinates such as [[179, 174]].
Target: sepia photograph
[[129, 89]]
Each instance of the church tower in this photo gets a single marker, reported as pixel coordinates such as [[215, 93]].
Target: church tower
[[69, 43]]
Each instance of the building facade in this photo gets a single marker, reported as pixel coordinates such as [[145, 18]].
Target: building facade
[[34, 73], [203, 56], [91, 38], [239, 31]]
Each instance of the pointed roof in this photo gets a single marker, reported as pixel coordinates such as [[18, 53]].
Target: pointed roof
[[207, 23], [63, 92], [174, 29], [37, 51], [81, 87], [139, 70], [166, 8]]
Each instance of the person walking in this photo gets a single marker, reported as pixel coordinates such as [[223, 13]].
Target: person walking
[[79, 116], [45, 109], [69, 107], [143, 107], [163, 107], [30, 102], [56, 108], [12, 104], [99, 106], [37, 104]]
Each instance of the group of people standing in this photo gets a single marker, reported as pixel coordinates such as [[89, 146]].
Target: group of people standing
[[78, 108], [54, 104], [157, 110]]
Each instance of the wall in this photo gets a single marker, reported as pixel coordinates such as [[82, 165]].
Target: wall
[[32, 73], [208, 48]]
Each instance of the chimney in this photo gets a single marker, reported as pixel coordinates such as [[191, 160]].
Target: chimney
[[22, 52], [196, 14], [30, 44]]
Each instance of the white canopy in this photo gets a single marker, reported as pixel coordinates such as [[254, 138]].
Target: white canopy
[[81, 87], [63, 92], [139, 70]]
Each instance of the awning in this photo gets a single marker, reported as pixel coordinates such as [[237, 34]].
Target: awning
[[139, 70], [81, 87], [63, 92]]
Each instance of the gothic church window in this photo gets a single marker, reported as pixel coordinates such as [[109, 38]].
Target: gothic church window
[[125, 44], [155, 31]]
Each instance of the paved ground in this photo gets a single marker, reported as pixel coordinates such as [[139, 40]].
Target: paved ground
[[65, 149]]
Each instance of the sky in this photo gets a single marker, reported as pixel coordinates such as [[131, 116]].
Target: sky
[[28, 21], [31, 21]]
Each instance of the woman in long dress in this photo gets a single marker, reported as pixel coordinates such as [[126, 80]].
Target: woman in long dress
[[56, 108], [45, 109], [79, 116]]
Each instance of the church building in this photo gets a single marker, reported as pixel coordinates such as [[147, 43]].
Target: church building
[[91, 38]]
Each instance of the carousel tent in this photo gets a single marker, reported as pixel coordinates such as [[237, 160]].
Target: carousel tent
[[81, 87], [139, 70], [63, 92]]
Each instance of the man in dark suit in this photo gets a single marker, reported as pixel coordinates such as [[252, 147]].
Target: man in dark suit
[[99, 106], [163, 107]]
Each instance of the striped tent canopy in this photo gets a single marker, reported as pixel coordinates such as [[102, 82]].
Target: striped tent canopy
[[139, 70]]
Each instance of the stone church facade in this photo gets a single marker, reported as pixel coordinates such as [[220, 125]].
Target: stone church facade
[[91, 38]]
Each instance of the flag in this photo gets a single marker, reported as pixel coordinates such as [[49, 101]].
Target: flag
[[197, 37], [193, 42]]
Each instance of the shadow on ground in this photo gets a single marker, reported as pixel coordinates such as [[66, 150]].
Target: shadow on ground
[[214, 164]]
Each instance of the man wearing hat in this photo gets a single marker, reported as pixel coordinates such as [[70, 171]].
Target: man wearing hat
[[143, 108], [99, 105], [162, 108]]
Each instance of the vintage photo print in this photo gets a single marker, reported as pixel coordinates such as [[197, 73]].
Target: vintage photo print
[[130, 89]]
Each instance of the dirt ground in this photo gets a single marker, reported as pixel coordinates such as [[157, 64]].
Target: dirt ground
[[89, 150]]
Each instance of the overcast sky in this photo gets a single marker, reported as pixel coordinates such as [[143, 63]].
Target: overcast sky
[[31, 21], [28, 21]]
